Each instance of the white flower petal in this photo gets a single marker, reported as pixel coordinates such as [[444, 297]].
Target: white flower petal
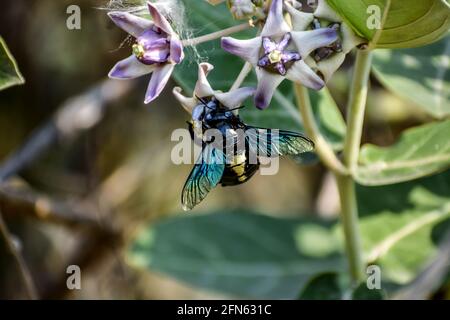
[[329, 66], [130, 23], [130, 68], [310, 62], [234, 99], [349, 38], [308, 41], [302, 74], [187, 103], [324, 11], [300, 20], [159, 20], [267, 84], [248, 50], [202, 87], [176, 49], [158, 81], [275, 23]]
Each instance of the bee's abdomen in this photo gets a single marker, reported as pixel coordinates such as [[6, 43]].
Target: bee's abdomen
[[238, 172]]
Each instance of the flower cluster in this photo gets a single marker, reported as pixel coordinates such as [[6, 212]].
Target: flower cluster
[[328, 59], [279, 53], [306, 48]]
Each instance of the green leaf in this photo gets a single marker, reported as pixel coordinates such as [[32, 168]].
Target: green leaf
[[401, 237], [9, 72], [364, 293], [241, 254], [283, 112], [328, 117], [401, 242], [419, 75], [334, 286], [325, 286], [398, 197], [412, 24], [419, 152]]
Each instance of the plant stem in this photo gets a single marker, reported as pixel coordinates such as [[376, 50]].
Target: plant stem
[[346, 185], [356, 108], [345, 182], [349, 219], [242, 75], [322, 148], [24, 271], [217, 34]]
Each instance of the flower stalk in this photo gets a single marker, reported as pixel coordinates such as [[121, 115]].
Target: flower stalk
[[322, 148], [217, 35], [246, 69]]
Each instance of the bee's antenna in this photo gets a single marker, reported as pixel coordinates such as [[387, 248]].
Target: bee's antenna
[[237, 108], [203, 102]]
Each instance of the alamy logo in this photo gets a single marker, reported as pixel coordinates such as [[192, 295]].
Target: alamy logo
[[73, 281], [374, 19], [73, 22], [373, 277]]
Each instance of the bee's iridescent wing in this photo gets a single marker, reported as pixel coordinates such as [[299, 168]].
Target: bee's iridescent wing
[[273, 142], [205, 175]]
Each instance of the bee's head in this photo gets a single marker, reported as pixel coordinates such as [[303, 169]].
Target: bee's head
[[206, 109], [211, 109]]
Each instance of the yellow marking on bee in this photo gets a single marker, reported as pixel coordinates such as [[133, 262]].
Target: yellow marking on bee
[[239, 164]]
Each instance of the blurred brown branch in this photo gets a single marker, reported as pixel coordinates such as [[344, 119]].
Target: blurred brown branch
[[75, 116], [15, 250], [23, 201]]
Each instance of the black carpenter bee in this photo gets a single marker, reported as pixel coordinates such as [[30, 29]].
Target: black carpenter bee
[[234, 158]]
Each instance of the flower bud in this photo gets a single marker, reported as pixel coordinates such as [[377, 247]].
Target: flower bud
[[246, 9]]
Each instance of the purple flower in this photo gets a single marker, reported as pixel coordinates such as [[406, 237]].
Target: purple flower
[[276, 56], [157, 50], [279, 53]]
